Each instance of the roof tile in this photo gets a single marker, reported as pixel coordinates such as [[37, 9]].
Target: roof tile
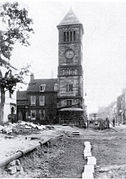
[[21, 95], [34, 86]]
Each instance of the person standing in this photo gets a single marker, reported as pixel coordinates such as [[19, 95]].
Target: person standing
[[113, 122], [107, 123]]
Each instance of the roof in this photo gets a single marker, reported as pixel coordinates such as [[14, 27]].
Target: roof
[[34, 85], [72, 109], [69, 19], [22, 95]]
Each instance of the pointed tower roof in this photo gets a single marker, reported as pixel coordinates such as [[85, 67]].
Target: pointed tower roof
[[70, 18]]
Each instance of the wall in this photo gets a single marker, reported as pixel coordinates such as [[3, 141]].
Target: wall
[[9, 103]]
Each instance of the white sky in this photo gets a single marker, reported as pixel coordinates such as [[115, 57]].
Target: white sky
[[104, 45]]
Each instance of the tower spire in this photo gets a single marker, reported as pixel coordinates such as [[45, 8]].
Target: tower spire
[[70, 18], [71, 9]]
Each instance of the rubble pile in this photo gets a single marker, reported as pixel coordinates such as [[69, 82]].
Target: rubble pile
[[14, 167], [21, 128]]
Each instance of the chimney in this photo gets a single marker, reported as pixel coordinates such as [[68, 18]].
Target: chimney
[[32, 77]]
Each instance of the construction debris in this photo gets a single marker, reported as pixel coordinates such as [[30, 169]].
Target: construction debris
[[22, 127], [13, 167]]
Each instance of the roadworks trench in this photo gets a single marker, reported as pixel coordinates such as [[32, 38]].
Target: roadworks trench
[[61, 157]]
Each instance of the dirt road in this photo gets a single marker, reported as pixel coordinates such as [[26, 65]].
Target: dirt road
[[63, 158], [109, 148]]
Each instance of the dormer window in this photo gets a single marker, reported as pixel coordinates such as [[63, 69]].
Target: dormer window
[[42, 87]]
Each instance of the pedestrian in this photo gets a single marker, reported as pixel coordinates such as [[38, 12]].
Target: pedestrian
[[107, 123], [113, 122]]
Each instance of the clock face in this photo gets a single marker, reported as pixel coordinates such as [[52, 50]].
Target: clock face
[[69, 54]]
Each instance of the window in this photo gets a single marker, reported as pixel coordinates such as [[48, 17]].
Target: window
[[55, 87], [70, 35], [33, 100], [74, 35], [42, 87], [69, 102], [69, 87], [41, 100], [67, 36], [12, 110], [76, 72], [42, 114], [63, 72], [33, 114], [64, 36]]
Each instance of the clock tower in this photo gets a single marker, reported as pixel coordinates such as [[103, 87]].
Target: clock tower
[[70, 72]]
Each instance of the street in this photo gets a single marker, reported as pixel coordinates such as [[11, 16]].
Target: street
[[63, 158]]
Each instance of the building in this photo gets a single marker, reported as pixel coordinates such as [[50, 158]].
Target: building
[[39, 103], [70, 72], [67, 103], [121, 108], [9, 100]]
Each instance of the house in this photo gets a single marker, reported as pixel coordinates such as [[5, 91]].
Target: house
[[39, 103]]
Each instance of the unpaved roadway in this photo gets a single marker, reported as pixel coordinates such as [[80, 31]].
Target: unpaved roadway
[[64, 158]]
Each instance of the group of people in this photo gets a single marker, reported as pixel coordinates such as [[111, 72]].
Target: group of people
[[105, 124], [101, 123], [108, 122]]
